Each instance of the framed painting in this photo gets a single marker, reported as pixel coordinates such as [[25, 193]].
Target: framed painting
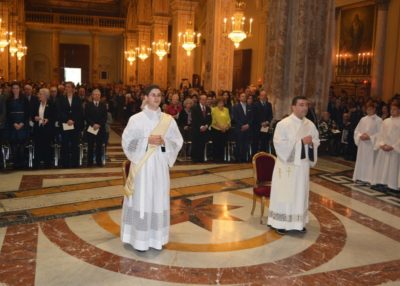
[[357, 27]]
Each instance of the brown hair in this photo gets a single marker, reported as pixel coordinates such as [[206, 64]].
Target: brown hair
[[370, 104], [220, 99], [395, 103]]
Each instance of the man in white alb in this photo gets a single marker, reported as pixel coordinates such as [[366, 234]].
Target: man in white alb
[[365, 136], [296, 141], [151, 141], [387, 164]]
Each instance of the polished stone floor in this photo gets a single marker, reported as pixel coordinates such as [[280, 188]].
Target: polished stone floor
[[60, 227]]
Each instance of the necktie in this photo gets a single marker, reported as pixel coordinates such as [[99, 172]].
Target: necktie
[[203, 110]]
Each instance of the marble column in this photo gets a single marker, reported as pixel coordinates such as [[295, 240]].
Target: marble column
[[219, 49], [262, 31], [95, 58], [182, 65], [55, 57], [159, 67], [379, 50], [4, 55], [144, 33], [130, 71], [18, 9], [298, 57]]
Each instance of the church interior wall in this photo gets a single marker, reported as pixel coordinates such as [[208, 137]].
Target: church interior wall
[[391, 55], [391, 77], [38, 65], [109, 60], [256, 42]]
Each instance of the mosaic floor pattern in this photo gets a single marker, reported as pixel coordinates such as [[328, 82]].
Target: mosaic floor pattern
[[61, 227]]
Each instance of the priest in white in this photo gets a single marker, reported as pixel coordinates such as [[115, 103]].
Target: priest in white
[[387, 164], [296, 142], [365, 136], [145, 218]]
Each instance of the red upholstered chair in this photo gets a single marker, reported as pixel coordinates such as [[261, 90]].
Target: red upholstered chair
[[125, 170], [263, 166]]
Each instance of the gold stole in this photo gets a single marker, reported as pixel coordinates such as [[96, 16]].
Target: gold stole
[[160, 129]]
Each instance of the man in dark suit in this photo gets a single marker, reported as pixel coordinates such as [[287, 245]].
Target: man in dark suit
[[311, 114], [201, 120], [32, 102], [243, 116], [96, 118], [262, 119], [71, 120]]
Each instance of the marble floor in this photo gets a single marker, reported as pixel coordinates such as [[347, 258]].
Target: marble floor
[[61, 227]]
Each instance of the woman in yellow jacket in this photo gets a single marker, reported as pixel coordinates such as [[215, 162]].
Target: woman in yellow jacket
[[220, 125]]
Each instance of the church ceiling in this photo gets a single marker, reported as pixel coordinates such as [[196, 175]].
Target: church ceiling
[[115, 8]]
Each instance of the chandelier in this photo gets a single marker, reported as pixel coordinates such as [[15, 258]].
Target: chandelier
[[190, 39], [130, 56], [21, 52], [237, 31], [3, 37], [143, 52], [161, 48], [13, 48]]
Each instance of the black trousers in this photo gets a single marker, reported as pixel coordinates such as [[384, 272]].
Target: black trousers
[[198, 143], [95, 142], [260, 141], [70, 148], [18, 153], [1, 151], [219, 139], [43, 152], [242, 145]]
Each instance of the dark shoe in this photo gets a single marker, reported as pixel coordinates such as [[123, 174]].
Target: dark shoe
[[304, 230], [281, 231]]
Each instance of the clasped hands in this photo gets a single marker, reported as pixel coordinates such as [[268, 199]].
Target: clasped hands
[[307, 140], [18, 126], [156, 140], [44, 120], [245, 127], [96, 126], [364, 137], [386, 148], [203, 128]]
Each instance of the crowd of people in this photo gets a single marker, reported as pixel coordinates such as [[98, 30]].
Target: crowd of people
[[44, 115]]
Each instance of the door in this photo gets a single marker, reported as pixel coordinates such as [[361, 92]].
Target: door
[[241, 68], [75, 56]]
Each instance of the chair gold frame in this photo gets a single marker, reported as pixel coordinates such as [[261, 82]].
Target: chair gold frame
[[259, 184]]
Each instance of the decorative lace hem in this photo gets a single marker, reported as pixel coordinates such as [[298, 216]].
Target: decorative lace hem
[[287, 217]]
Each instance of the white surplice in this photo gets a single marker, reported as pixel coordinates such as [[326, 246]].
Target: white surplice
[[288, 208], [387, 164], [366, 154], [152, 181]]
